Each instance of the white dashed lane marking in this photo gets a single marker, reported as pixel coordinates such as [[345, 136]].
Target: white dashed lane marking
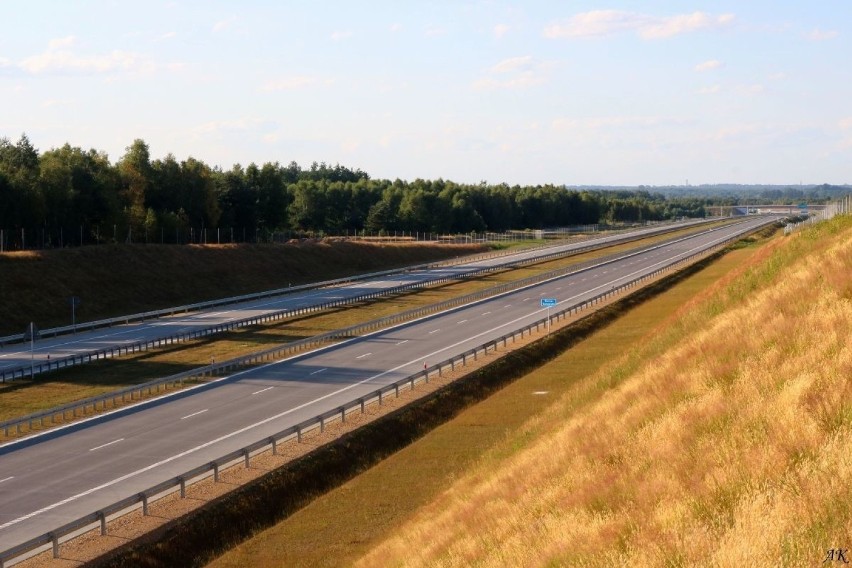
[[107, 444], [195, 414]]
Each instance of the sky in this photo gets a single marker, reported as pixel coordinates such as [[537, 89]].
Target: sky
[[533, 92]]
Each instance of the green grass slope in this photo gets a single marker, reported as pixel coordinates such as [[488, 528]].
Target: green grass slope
[[124, 279]]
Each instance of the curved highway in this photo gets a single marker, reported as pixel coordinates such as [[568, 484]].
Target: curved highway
[[50, 479], [19, 356]]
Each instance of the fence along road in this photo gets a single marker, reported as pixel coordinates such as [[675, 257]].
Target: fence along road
[[71, 473], [17, 360]]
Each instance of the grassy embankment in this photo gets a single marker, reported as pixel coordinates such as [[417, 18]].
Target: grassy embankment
[[722, 440], [23, 397], [114, 280]]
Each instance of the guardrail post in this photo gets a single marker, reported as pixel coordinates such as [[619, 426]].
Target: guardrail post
[[274, 443], [363, 404], [215, 472], [144, 504], [322, 424], [182, 487], [342, 414], [298, 433], [380, 397], [55, 541], [102, 516], [247, 454], [396, 387]]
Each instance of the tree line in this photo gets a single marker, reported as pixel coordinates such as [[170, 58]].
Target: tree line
[[68, 195]]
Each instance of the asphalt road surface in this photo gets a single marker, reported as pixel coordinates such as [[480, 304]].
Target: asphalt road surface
[[18, 356], [51, 479]]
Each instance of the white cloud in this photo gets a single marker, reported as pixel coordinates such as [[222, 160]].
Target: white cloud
[[754, 89], [56, 102], [500, 30], [613, 122], [291, 83], [167, 35], [817, 34], [59, 43], [66, 61], [711, 90], [598, 23], [238, 125], [57, 58], [513, 64], [223, 25], [340, 36], [739, 132], [434, 32], [512, 73], [708, 65]]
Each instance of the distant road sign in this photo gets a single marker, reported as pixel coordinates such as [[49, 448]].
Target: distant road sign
[[548, 302]]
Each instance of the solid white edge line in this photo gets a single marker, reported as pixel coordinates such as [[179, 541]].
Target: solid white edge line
[[364, 355], [7, 479], [262, 390]]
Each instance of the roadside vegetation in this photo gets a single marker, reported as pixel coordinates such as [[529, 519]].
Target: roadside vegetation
[[721, 439]]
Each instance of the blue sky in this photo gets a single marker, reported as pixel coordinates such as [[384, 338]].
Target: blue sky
[[623, 92]]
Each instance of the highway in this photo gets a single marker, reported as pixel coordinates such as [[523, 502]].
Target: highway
[[52, 478], [19, 356]]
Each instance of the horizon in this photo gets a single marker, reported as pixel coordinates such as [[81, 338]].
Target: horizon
[[612, 96]]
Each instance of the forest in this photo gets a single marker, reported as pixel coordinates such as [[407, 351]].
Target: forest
[[69, 196]]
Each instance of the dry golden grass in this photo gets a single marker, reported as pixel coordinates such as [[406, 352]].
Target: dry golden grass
[[724, 441]]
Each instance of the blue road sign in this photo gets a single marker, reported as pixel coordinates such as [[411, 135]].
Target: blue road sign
[[548, 302]]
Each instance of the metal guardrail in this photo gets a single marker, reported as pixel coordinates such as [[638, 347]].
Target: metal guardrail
[[79, 409], [99, 519], [141, 346]]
